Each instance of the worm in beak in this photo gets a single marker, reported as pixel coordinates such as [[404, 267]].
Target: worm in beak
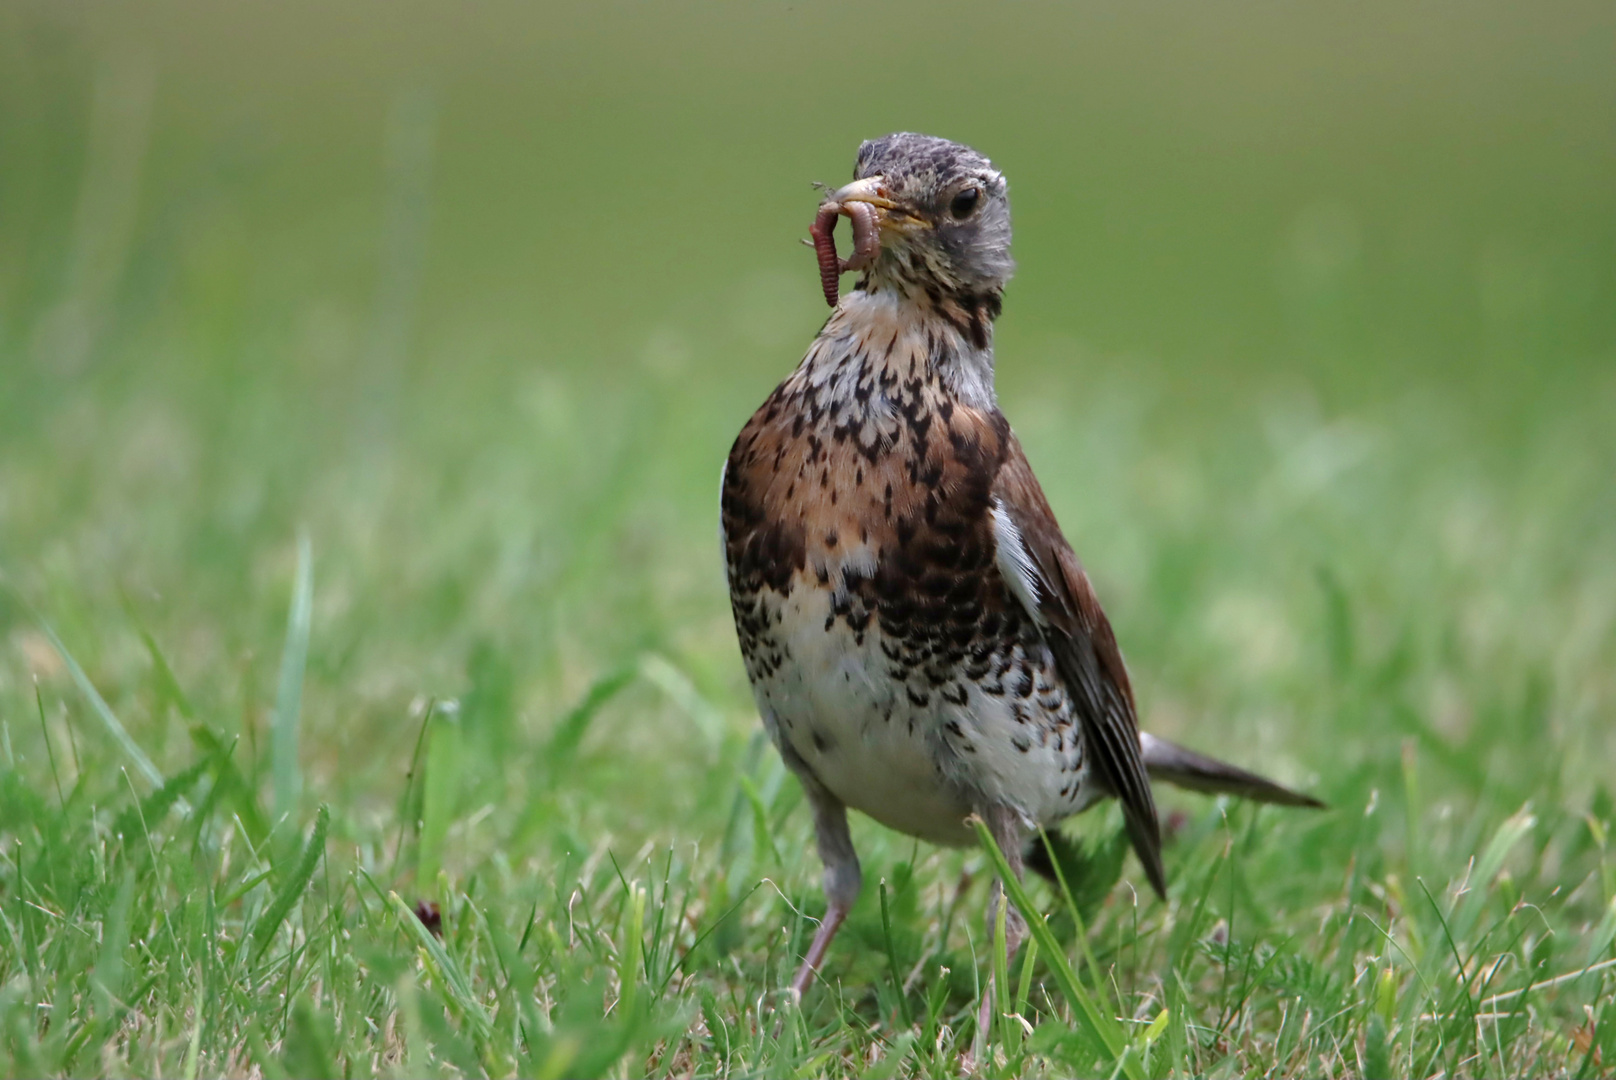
[[859, 201]]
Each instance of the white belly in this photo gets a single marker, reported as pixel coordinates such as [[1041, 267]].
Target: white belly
[[906, 756], [855, 726]]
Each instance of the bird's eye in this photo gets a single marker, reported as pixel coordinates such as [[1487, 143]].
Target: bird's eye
[[964, 203]]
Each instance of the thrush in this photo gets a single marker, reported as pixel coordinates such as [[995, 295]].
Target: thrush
[[922, 643]]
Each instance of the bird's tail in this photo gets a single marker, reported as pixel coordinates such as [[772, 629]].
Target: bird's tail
[[1092, 870], [1173, 763]]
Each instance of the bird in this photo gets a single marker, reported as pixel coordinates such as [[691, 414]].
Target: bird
[[922, 643]]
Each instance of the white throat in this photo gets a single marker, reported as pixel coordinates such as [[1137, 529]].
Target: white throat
[[907, 339]]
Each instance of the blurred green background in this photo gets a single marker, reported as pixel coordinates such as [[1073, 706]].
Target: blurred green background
[[1313, 343], [1270, 188], [480, 294]]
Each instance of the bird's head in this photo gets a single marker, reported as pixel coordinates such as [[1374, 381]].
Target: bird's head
[[942, 215]]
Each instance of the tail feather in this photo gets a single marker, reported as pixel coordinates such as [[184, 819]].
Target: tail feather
[[1173, 763]]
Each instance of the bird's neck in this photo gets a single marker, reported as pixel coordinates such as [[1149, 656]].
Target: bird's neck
[[896, 276], [878, 343]]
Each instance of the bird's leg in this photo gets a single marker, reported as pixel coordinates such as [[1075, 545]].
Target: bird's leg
[[842, 877], [1010, 834]]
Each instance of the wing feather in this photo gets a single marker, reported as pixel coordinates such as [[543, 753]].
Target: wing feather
[[1086, 653]]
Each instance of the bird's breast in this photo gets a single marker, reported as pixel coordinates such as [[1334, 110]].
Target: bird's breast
[[883, 644]]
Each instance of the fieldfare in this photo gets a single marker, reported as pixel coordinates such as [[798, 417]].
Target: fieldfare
[[922, 643]]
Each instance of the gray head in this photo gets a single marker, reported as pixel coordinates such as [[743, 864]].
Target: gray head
[[944, 217]]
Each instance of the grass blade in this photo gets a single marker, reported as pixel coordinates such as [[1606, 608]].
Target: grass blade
[[1377, 1059], [1075, 910], [111, 970], [1000, 988], [631, 972], [453, 979], [232, 784], [440, 790], [1105, 1036], [289, 694], [1461, 990], [570, 731], [409, 813], [149, 812], [306, 1049], [1512, 831], [683, 693], [892, 960], [99, 706], [168, 685], [291, 889], [763, 844], [1029, 961], [44, 733]]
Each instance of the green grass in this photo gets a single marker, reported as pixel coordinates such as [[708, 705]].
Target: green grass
[[625, 873], [357, 511]]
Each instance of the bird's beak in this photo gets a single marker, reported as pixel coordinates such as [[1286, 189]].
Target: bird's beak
[[887, 215], [869, 190], [875, 215]]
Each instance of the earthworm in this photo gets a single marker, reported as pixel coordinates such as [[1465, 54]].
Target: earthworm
[[866, 243], [823, 231], [866, 238]]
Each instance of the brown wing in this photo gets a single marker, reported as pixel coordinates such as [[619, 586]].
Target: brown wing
[[1086, 655]]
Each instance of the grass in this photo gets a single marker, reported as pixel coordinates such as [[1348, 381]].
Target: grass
[[327, 604], [625, 874]]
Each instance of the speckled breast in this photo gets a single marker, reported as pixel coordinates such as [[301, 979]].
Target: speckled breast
[[885, 650]]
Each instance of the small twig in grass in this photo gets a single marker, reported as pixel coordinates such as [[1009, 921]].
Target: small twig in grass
[[1570, 976]]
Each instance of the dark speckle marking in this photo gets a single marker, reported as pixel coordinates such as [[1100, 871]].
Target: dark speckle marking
[[1023, 687]]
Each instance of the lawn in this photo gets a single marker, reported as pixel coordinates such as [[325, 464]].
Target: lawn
[[369, 701]]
